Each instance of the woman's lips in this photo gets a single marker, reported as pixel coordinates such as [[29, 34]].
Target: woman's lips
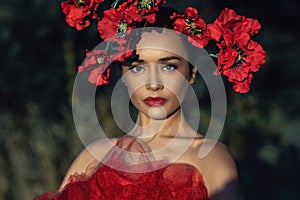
[[155, 101]]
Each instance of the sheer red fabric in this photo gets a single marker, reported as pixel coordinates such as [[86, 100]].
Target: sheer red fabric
[[172, 181]]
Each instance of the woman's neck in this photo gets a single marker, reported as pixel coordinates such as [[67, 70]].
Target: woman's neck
[[167, 136], [149, 129]]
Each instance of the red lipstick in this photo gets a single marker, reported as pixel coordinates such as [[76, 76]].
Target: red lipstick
[[155, 101]]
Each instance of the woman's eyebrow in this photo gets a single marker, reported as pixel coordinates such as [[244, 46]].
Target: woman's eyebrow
[[169, 58], [139, 61], [161, 60]]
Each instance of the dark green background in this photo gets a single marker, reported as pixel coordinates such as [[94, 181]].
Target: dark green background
[[40, 53]]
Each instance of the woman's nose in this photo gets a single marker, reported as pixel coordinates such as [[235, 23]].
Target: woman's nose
[[154, 86], [154, 82]]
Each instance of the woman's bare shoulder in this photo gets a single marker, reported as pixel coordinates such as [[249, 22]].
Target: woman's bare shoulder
[[221, 160], [90, 155], [218, 166]]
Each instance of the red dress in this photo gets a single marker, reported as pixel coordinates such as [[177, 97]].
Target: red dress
[[171, 181]]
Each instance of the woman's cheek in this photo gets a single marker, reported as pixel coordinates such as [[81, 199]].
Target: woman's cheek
[[178, 87], [133, 84]]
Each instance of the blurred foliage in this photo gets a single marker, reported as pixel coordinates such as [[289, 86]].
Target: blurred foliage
[[39, 54]]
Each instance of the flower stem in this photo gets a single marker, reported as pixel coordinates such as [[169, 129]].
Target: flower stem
[[115, 3], [107, 46], [213, 55]]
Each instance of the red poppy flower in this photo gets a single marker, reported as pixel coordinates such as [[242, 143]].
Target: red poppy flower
[[241, 58], [122, 54], [229, 22], [115, 25], [96, 63], [99, 77], [94, 59], [143, 9], [192, 25], [78, 11], [242, 86], [148, 6]]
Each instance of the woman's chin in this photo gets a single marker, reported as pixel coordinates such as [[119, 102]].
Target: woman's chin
[[157, 112]]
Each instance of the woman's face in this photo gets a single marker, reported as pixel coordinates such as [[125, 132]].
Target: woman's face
[[157, 81]]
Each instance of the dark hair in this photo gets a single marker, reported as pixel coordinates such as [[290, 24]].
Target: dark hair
[[163, 19]]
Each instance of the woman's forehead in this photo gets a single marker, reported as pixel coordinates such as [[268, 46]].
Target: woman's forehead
[[149, 55], [168, 41]]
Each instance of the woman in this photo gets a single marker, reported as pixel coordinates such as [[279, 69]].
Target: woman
[[157, 83], [160, 158]]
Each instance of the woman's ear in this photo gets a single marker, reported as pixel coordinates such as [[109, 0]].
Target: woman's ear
[[123, 81], [193, 75]]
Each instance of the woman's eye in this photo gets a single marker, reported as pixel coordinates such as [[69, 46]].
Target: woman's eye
[[137, 69], [169, 68]]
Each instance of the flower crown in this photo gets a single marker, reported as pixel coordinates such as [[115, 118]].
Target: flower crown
[[238, 57]]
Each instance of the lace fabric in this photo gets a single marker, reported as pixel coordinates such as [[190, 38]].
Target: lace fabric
[[160, 180]]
